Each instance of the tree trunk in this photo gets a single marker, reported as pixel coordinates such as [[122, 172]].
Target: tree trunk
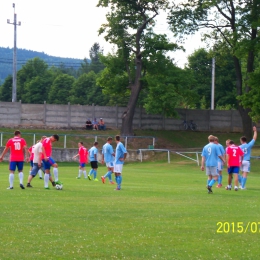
[[128, 115], [246, 119]]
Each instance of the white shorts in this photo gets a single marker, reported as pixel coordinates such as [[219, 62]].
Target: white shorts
[[118, 168], [110, 164], [211, 170], [220, 166], [245, 166]]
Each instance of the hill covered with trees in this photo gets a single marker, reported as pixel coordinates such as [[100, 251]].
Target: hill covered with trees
[[6, 60]]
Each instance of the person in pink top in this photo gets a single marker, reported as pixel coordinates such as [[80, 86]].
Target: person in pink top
[[18, 147], [234, 157], [47, 145], [83, 159]]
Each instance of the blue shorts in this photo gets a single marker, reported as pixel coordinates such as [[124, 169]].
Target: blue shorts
[[47, 164], [12, 166], [31, 163], [82, 165], [35, 169], [233, 169]]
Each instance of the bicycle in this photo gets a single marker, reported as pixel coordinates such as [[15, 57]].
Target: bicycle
[[189, 125]]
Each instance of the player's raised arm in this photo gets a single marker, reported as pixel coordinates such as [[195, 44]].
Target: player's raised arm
[[255, 133]]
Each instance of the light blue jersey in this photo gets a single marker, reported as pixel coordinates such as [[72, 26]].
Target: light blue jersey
[[246, 148], [120, 151], [92, 151], [108, 152], [222, 150], [211, 152]]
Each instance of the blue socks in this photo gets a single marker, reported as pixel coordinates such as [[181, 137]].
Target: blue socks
[[212, 182], [244, 182], [108, 174], [220, 179]]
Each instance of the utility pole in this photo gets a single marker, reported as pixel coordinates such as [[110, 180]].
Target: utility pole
[[213, 84], [14, 56]]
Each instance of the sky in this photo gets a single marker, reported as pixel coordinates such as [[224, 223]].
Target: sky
[[66, 28]]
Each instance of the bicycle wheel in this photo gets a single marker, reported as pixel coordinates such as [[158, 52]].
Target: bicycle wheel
[[193, 127], [185, 126]]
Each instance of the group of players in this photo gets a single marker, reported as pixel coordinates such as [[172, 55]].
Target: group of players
[[214, 156], [114, 161], [40, 158]]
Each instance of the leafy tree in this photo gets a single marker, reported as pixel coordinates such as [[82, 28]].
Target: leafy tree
[[86, 92], [60, 89], [34, 81], [114, 79], [200, 66], [125, 18], [233, 26], [94, 53], [6, 89]]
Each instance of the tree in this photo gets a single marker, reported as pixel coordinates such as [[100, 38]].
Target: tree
[[233, 26], [60, 89], [125, 17], [6, 89], [200, 66], [34, 72], [86, 92], [94, 52]]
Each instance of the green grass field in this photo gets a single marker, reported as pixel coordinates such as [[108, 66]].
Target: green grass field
[[162, 212]]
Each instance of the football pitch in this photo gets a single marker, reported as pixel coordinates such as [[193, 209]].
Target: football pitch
[[162, 212]]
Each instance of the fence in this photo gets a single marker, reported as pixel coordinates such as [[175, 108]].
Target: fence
[[16, 114]]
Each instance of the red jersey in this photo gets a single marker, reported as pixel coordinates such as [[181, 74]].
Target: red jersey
[[83, 153], [234, 153], [47, 146], [16, 145]]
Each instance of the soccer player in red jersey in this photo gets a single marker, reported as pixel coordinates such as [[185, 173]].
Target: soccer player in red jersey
[[234, 155], [17, 146], [47, 145], [83, 159]]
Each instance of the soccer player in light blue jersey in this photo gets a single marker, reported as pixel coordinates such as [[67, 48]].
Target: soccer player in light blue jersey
[[93, 153], [108, 157], [120, 157], [210, 155], [246, 147], [220, 162]]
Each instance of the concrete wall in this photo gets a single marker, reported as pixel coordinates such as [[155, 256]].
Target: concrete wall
[[65, 155], [74, 116]]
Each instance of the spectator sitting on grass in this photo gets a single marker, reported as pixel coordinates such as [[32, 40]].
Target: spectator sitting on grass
[[88, 124], [95, 124], [101, 124]]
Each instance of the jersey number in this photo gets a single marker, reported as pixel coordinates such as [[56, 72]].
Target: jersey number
[[17, 146]]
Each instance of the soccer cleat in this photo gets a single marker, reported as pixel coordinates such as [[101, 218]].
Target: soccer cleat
[[96, 179], [53, 184], [240, 187], [243, 188], [77, 177], [41, 178], [46, 188], [228, 188], [10, 188], [236, 188], [29, 185], [22, 187], [89, 177], [112, 182], [209, 189], [58, 182], [117, 188], [103, 179], [219, 185]]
